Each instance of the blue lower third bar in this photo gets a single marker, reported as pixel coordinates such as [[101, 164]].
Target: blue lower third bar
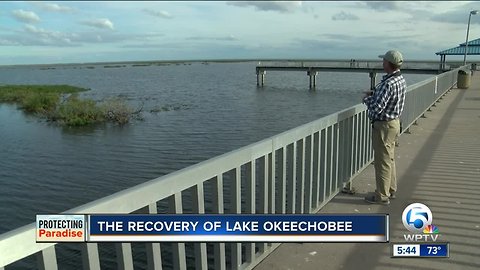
[[434, 250], [238, 228]]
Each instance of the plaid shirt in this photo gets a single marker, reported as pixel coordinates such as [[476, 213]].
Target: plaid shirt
[[388, 100]]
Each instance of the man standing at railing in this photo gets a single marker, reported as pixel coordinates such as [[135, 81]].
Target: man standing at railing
[[385, 105]]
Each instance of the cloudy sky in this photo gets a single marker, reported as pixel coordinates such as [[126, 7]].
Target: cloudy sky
[[78, 32]]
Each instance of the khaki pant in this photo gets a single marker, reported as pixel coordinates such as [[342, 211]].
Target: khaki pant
[[384, 135]]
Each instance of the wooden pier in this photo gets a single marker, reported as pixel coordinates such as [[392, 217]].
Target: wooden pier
[[312, 69]]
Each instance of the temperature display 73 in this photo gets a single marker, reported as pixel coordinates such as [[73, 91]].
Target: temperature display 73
[[419, 250]]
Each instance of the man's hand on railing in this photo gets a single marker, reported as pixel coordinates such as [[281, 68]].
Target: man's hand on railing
[[366, 94]]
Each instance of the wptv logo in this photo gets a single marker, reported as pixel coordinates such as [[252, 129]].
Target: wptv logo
[[417, 218]]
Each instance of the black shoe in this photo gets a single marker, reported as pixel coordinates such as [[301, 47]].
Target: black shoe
[[374, 200], [392, 195], [350, 191]]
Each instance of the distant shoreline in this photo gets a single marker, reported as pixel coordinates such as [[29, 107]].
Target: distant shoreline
[[165, 62]]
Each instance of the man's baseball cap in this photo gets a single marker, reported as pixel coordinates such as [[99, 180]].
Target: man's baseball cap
[[393, 56]]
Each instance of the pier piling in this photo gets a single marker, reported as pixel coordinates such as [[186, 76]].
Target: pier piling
[[373, 80], [261, 77], [313, 78]]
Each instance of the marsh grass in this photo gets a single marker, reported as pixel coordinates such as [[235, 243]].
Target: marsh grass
[[15, 93], [45, 101], [40, 103], [78, 112], [116, 110]]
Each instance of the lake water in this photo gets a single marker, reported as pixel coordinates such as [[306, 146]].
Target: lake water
[[214, 108]]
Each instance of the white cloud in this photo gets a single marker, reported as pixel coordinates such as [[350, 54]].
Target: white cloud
[[225, 38], [53, 7], [100, 23], [7, 42], [459, 15], [130, 25], [160, 14], [25, 16], [113, 37], [229, 38], [343, 16], [279, 6], [36, 36], [47, 37]]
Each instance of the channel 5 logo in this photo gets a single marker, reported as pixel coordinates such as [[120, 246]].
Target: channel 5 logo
[[417, 218]]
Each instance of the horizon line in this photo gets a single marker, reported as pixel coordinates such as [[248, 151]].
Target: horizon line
[[219, 60]]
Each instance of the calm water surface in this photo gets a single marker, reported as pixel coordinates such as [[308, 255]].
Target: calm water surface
[[45, 168]]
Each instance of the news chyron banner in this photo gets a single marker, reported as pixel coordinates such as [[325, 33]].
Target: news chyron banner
[[212, 228]]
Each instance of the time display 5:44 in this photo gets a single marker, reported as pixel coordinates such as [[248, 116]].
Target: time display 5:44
[[406, 250]]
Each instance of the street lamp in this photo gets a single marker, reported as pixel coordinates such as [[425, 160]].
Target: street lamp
[[473, 12]]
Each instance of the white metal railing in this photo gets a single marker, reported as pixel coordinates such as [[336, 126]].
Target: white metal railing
[[297, 171], [423, 95]]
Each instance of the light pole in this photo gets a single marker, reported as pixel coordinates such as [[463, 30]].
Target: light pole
[[473, 12]]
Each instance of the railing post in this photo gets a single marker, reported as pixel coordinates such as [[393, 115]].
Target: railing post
[[373, 79], [154, 253], [272, 180], [317, 171], [324, 161], [251, 204], [176, 207], [90, 258], [47, 259], [282, 201], [309, 180], [124, 256], [292, 177], [236, 208], [201, 261], [264, 191], [219, 248], [337, 152], [301, 176]]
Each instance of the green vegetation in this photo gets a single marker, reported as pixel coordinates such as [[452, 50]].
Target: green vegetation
[[61, 104], [40, 103], [114, 66], [78, 112]]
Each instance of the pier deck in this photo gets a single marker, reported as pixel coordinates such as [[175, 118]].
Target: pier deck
[[313, 68], [438, 164], [348, 69]]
